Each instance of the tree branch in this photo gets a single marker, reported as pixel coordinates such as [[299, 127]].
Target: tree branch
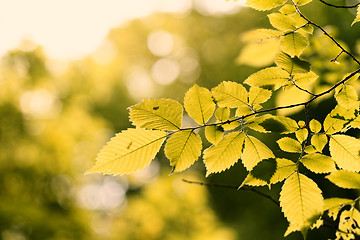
[[235, 188], [339, 6]]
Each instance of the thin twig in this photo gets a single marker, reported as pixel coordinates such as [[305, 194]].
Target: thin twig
[[302, 89], [235, 188], [339, 6]]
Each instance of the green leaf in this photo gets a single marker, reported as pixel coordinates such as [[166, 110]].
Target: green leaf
[[222, 114], [288, 9], [230, 94], [282, 22], [301, 134], [345, 152], [226, 153], [279, 124], [284, 168], [357, 18], [264, 5], [301, 202], [161, 114], [128, 152], [254, 152], [301, 2], [199, 104], [315, 126], [319, 141], [305, 78], [349, 224], [214, 134], [292, 65], [182, 149], [272, 76], [294, 43], [318, 163], [258, 95], [345, 179], [289, 145], [347, 97]]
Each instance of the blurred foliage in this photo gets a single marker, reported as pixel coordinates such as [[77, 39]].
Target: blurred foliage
[[55, 116]]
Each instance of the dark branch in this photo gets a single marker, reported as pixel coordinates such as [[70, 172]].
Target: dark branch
[[339, 6], [235, 188]]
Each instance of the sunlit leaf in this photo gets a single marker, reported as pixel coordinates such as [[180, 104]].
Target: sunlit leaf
[[347, 97], [161, 114], [281, 21], [260, 34], [226, 153], [319, 141], [292, 65], [345, 152], [334, 205], [182, 149], [289, 145], [233, 123], [214, 134], [357, 18], [333, 125], [288, 9], [254, 152], [258, 95], [315, 126], [279, 124], [264, 5], [301, 134], [293, 43], [301, 201], [355, 123], [230, 94], [242, 111], [301, 2], [284, 168], [199, 104], [129, 151], [349, 223], [318, 163], [345, 179], [222, 114], [305, 78], [272, 76]]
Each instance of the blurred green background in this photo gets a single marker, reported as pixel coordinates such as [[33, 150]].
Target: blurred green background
[[56, 115]]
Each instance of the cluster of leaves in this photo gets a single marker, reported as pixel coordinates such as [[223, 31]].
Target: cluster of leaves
[[229, 110]]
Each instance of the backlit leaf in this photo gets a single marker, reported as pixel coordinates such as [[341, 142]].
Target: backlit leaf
[[230, 94], [319, 141], [345, 179], [288, 9], [199, 104], [272, 76], [345, 152], [318, 163], [214, 134], [349, 224], [258, 95], [301, 2], [161, 114], [293, 43], [357, 18], [301, 201], [264, 170], [301, 134], [222, 114], [279, 124], [305, 78], [254, 152], [264, 5], [292, 65], [289, 145], [347, 97], [284, 168], [315, 126], [334, 205], [182, 149], [282, 21], [334, 125], [226, 153], [129, 151]]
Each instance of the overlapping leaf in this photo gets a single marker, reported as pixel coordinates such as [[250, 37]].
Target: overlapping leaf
[[293, 43], [289, 145], [160, 114], [345, 179], [254, 152], [347, 97], [272, 76], [214, 134], [199, 104], [345, 152], [129, 151], [357, 18], [226, 153], [318, 163], [319, 141], [183, 149], [282, 22], [258, 95], [292, 65], [230, 94]]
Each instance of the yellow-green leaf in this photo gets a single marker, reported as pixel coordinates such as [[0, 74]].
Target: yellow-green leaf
[[199, 104], [214, 134], [333, 125], [282, 22], [349, 224], [129, 151], [230, 94], [258, 95], [272, 76], [226, 153], [357, 18], [161, 114], [231, 125], [301, 134], [301, 201], [222, 114], [254, 152], [301, 2], [264, 5], [319, 141], [347, 97], [242, 111], [318, 163], [334, 205], [315, 126], [345, 152], [279, 124], [294, 43], [284, 168], [288, 9], [305, 78], [289, 145], [183, 149], [292, 65], [345, 179], [260, 34], [355, 123]]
